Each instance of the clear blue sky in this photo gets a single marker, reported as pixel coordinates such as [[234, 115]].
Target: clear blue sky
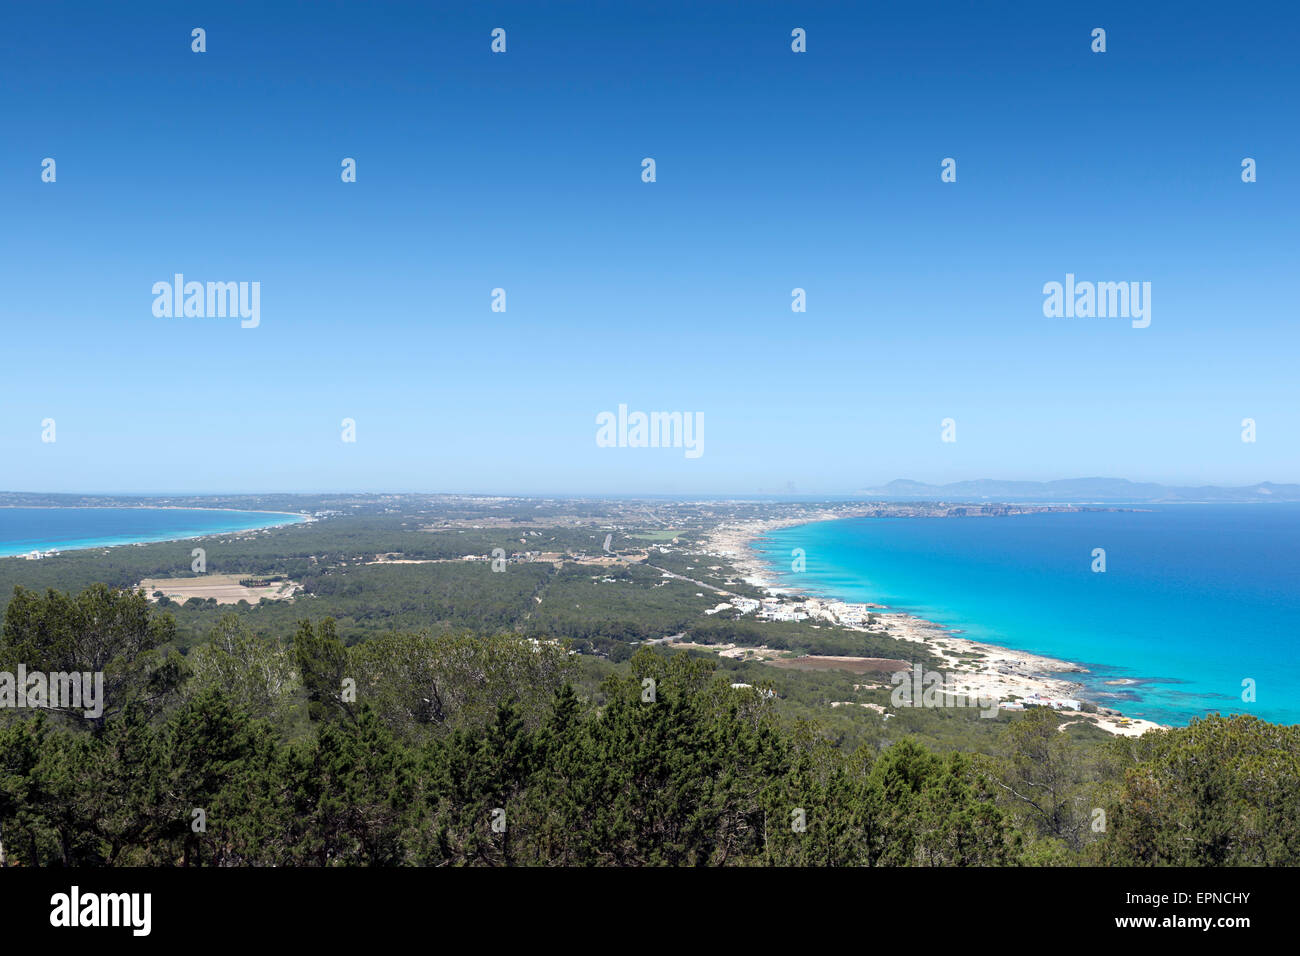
[[523, 171]]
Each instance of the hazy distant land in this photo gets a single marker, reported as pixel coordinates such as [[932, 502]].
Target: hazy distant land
[[1112, 490]]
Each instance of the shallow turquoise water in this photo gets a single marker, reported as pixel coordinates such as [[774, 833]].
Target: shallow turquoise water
[[1194, 600], [23, 530]]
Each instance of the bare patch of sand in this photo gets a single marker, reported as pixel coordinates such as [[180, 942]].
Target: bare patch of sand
[[854, 665]]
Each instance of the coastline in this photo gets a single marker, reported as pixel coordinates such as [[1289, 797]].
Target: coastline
[[971, 668], [48, 549], [241, 511]]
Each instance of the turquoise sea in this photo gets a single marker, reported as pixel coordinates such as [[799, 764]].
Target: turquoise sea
[[23, 530], [1195, 599]]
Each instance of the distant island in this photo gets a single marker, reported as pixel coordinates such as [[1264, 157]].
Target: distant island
[[1111, 490]]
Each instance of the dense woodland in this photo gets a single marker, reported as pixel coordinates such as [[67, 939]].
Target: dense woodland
[[477, 749]]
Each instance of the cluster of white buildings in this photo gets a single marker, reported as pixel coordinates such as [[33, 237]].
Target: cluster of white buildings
[[778, 611], [774, 609], [739, 605], [849, 615]]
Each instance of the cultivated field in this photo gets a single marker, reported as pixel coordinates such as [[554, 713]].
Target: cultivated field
[[225, 588]]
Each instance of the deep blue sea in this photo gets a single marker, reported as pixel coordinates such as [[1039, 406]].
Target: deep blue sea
[[23, 530], [1194, 600]]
